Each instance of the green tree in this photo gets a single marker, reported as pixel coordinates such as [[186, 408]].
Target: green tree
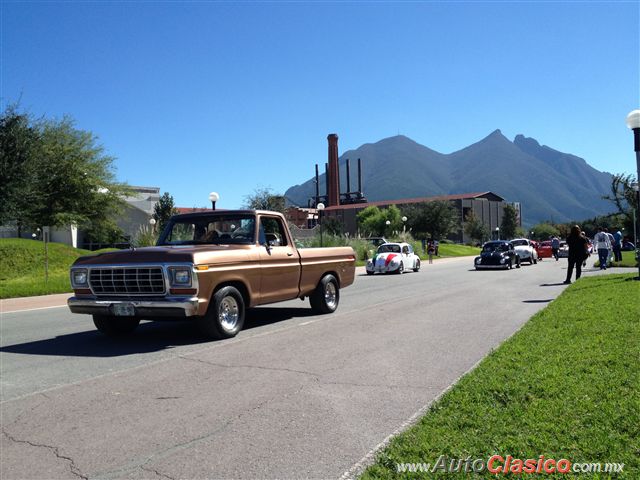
[[544, 231], [58, 175], [509, 222], [474, 228], [163, 210], [264, 199], [369, 221], [625, 199], [373, 220], [435, 219], [17, 139]]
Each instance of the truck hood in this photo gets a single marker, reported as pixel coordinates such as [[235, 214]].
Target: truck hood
[[168, 254]]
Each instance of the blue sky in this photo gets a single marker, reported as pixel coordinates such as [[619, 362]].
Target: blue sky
[[201, 96]]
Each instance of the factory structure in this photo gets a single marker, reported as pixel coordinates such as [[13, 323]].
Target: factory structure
[[344, 206]]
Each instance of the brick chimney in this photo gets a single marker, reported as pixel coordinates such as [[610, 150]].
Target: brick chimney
[[333, 194]]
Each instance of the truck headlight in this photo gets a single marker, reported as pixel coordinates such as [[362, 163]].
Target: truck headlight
[[79, 277], [181, 276]]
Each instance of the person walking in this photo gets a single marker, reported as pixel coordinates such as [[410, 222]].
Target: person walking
[[617, 246], [431, 249], [602, 244], [577, 244], [555, 246], [587, 252], [611, 242]]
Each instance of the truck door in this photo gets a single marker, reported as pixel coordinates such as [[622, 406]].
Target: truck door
[[279, 262]]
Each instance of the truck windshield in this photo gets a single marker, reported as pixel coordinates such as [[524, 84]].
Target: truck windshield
[[214, 230]]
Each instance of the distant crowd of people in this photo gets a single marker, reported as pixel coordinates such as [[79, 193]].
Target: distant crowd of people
[[607, 245]]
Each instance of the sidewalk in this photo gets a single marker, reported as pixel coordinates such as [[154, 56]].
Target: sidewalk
[[33, 303]]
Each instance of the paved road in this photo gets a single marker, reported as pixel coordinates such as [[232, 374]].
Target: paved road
[[294, 395]]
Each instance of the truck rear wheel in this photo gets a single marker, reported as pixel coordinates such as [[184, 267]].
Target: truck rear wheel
[[326, 296], [225, 316], [115, 326]]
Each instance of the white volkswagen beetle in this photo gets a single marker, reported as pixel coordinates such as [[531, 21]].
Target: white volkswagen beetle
[[525, 250], [393, 257]]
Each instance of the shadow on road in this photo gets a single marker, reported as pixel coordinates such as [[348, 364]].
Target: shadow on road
[[148, 337], [538, 301]]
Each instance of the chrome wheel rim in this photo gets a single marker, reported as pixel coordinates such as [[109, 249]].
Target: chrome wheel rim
[[228, 313], [331, 295]]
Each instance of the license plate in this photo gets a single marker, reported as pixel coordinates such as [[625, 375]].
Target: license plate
[[123, 309]]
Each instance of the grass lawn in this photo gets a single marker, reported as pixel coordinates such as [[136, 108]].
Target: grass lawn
[[454, 250], [22, 271], [567, 385], [628, 260]]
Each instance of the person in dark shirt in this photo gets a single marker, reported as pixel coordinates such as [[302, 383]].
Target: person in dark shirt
[[577, 244]]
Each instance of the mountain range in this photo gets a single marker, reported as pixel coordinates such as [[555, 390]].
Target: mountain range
[[550, 185]]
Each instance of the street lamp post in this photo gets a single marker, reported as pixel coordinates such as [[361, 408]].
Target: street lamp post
[[320, 208], [404, 227], [633, 122], [636, 188], [497, 233], [214, 197], [387, 223]]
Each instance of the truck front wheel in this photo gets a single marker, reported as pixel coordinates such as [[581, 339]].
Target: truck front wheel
[[115, 326], [225, 316], [326, 296]]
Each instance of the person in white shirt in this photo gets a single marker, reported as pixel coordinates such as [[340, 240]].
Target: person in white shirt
[[603, 245], [612, 241]]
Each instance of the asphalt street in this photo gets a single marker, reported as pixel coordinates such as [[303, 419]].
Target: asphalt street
[[295, 395]]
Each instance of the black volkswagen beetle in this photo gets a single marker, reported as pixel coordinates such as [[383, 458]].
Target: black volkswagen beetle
[[497, 254]]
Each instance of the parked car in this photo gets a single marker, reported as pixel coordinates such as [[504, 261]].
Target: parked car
[[209, 267], [497, 254], [563, 251], [544, 249], [628, 246], [393, 258], [525, 250]]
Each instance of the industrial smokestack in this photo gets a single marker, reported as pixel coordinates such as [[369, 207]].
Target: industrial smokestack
[[317, 186], [348, 176], [360, 177], [333, 194], [326, 181]]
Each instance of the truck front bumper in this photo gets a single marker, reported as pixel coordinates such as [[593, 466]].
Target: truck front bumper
[[166, 307]]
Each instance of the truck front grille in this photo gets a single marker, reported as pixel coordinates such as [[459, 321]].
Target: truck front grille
[[127, 281]]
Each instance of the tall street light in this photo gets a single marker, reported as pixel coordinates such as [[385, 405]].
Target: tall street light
[[320, 208], [633, 122], [214, 197], [497, 233], [404, 227], [636, 188]]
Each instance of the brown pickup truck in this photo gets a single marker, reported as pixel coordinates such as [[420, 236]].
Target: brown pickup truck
[[210, 267]]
